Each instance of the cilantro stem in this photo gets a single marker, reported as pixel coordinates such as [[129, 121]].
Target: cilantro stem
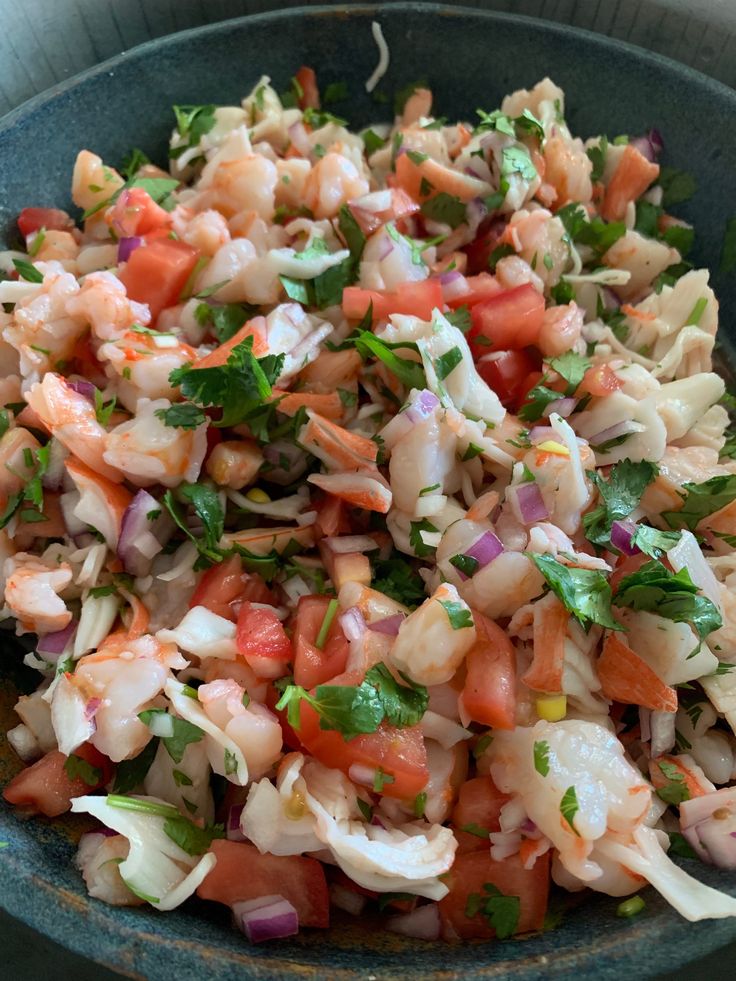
[[142, 806], [330, 613]]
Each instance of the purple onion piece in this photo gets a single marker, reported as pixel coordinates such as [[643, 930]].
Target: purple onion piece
[[51, 646], [232, 828], [387, 247], [531, 503], [91, 708], [278, 919], [450, 277], [136, 527], [621, 534], [486, 549], [82, 387], [352, 623], [563, 407], [126, 246], [623, 428], [422, 406], [538, 434], [389, 625]]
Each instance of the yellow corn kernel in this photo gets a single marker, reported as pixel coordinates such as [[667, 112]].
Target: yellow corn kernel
[[552, 708], [258, 496], [551, 446]]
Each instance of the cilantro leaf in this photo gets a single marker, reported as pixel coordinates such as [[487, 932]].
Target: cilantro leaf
[[584, 592], [677, 186], [372, 141], [27, 271], [190, 837], [675, 790], [597, 234], [447, 362], [77, 768], [536, 401], [620, 495], [654, 542], [701, 500], [206, 503], [347, 709], [501, 911], [240, 385], [458, 614], [351, 232], [680, 846], [192, 122], [223, 321], [445, 208], [403, 705], [396, 578], [459, 318], [673, 596], [182, 415], [516, 160], [541, 757], [569, 807], [571, 367], [410, 373], [183, 733], [133, 163], [465, 564], [415, 538], [597, 156], [130, 773]]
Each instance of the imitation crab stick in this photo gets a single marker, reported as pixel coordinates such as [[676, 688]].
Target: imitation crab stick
[[550, 628], [626, 678], [630, 180]]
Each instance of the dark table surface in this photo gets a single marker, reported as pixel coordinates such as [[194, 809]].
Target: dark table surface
[[43, 42]]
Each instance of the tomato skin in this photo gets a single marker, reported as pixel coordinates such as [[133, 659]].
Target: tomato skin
[[260, 633], [489, 695], [46, 788], [136, 213], [511, 320], [157, 272], [469, 874], [219, 586], [479, 250], [479, 801], [243, 873], [507, 375], [600, 380], [413, 299], [398, 752], [307, 81], [52, 219], [313, 666]]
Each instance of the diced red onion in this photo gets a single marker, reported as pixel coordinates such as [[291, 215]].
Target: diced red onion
[[611, 300], [82, 387], [531, 503], [389, 625], [91, 708], [476, 210], [347, 899], [708, 823], [563, 407], [273, 919], [645, 729], [232, 828], [377, 822], [51, 646], [450, 276], [352, 623], [538, 434], [126, 246], [621, 534], [343, 544], [650, 145], [423, 406], [137, 544], [300, 139], [486, 549], [387, 247], [455, 288], [423, 923], [623, 428]]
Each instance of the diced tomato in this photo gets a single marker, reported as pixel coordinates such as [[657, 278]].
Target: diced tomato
[[313, 666], [46, 788], [600, 380], [243, 873], [157, 272], [480, 287], [136, 213], [512, 319], [52, 219], [413, 299], [479, 803], [480, 249], [506, 373], [400, 753], [261, 634], [256, 591], [219, 586], [489, 694], [469, 874], [332, 518], [307, 81]]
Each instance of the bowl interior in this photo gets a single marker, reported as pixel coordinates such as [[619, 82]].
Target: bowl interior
[[470, 59]]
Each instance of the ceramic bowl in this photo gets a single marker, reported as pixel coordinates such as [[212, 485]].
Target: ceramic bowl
[[470, 58]]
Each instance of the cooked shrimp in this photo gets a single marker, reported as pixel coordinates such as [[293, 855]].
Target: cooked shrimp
[[104, 305], [32, 590], [332, 182]]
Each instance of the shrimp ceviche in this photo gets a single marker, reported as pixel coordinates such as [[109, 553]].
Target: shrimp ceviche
[[369, 511]]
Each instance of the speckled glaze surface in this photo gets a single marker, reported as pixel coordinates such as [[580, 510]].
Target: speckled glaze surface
[[470, 58]]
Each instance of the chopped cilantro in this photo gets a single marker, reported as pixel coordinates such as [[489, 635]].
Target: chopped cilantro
[[675, 790], [129, 774], [27, 271], [701, 500], [458, 614], [396, 578], [77, 768], [677, 186], [499, 910], [620, 495], [182, 415], [569, 807], [541, 757], [415, 537], [445, 208], [183, 733], [673, 596], [584, 592]]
